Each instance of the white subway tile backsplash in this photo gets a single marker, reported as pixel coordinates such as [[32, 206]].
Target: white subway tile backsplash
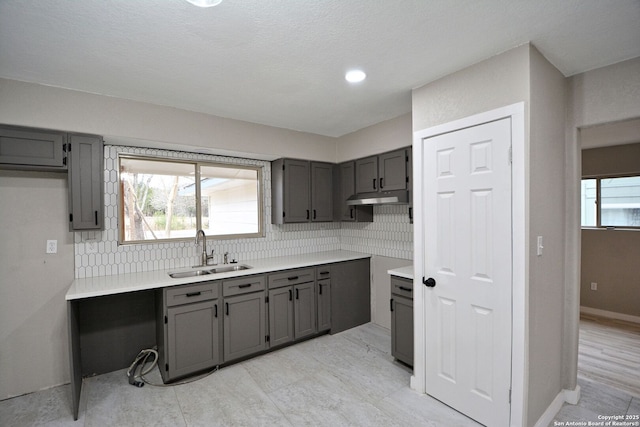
[[390, 234]]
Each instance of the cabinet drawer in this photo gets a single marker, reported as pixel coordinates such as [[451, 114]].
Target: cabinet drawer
[[292, 277], [191, 293], [402, 287], [323, 272], [242, 285]]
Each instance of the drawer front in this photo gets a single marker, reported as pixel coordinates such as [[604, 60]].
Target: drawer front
[[323, 272], [402, 287], [242, 285], [187, 294], [292, 277]]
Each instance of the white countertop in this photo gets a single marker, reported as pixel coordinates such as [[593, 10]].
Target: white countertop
[[131, 282], [406, 272]]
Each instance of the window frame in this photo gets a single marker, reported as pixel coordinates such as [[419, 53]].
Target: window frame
[[599, 226], [198, 199]]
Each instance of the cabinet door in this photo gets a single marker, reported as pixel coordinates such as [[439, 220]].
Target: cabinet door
[[192, 340], [402, 329], [296, 191], [393, 171], [86, 175], [350, 294], [33, 149], [244, 325], [280, 315], [321, 191], [304, 310], [324, 305], [367, 174], [347, 189]]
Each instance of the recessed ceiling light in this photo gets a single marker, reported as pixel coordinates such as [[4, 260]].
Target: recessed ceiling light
[[355, 76], [205, 3]]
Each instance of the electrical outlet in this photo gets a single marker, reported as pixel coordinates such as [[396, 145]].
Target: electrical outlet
[[594, 286], [52, 246], [91, 247]]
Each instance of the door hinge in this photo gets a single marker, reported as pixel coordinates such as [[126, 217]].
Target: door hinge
[[166, 320], [64, 160], [69, 147], [283, 214], [267, 338]]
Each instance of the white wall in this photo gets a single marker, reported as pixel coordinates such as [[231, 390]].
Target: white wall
[[375, 139], [33, 311]]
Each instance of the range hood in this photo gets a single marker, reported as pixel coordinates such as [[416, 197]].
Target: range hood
[[399, 197]]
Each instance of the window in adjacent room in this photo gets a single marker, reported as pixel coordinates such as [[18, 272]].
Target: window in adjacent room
[[165, 199], [611, 202]]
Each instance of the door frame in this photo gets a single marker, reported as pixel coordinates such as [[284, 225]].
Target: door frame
[[519, 248]]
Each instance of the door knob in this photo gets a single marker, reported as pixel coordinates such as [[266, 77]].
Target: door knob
[[430, 282]]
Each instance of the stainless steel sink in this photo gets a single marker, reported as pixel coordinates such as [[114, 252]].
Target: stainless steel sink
[[202, 272], [193, 273]]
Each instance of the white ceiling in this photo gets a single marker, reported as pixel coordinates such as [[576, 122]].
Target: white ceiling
[[282, 62]]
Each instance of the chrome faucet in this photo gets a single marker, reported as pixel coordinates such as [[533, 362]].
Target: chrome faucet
[[204, 258], [226, 257]]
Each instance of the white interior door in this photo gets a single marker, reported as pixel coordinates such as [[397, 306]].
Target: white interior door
[[467, 241]]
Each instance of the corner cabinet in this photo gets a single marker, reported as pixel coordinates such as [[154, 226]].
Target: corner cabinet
[[385, 172], [350, 294], [86, 170], [345, 187], [301, 191], [189, 329]]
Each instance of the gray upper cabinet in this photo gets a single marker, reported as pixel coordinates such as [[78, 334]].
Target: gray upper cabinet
[[321, 192], [345, 187], [301, 191], [25, 148], [385, 172], [86, 170], [367, 175]]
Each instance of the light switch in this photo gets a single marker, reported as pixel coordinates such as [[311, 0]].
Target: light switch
[[540, 246], [52, 246]]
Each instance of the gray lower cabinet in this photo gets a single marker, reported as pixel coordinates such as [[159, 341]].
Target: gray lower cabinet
[[350, 294], [401, 306], [244, 317], [324, 305], [37, 149], [280, 316], [86, 170], [189, 335], [304, 310]]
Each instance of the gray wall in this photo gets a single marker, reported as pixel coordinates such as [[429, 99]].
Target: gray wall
[[33, 313], [522, 74], [610, 257]]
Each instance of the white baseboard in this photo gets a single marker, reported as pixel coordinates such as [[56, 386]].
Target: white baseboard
[[609, 314], [569, 396]]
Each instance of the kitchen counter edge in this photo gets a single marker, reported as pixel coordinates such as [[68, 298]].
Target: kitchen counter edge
[[131, 282], [405, 272]]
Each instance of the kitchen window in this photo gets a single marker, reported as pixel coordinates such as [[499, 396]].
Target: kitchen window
[[166, 199], [611, 202]]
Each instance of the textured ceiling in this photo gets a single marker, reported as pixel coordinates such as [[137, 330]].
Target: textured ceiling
[[282, 62]]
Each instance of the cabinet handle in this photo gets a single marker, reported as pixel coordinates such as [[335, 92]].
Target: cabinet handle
[[226, 306], [402, 288], [351, 213], [193, 294], [324, 272], [292, 278], [307, 213], [391, 304], [96, 216], [320, 288], [246, 285], [314, 214], [297, 294], [290, 295], [215, 307], [381, 183], [374, 183], [410, 212]]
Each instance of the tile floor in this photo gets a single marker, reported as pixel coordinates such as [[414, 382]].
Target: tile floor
[[347, 379]]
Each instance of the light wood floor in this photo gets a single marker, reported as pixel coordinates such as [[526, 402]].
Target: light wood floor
[[609, 352]]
